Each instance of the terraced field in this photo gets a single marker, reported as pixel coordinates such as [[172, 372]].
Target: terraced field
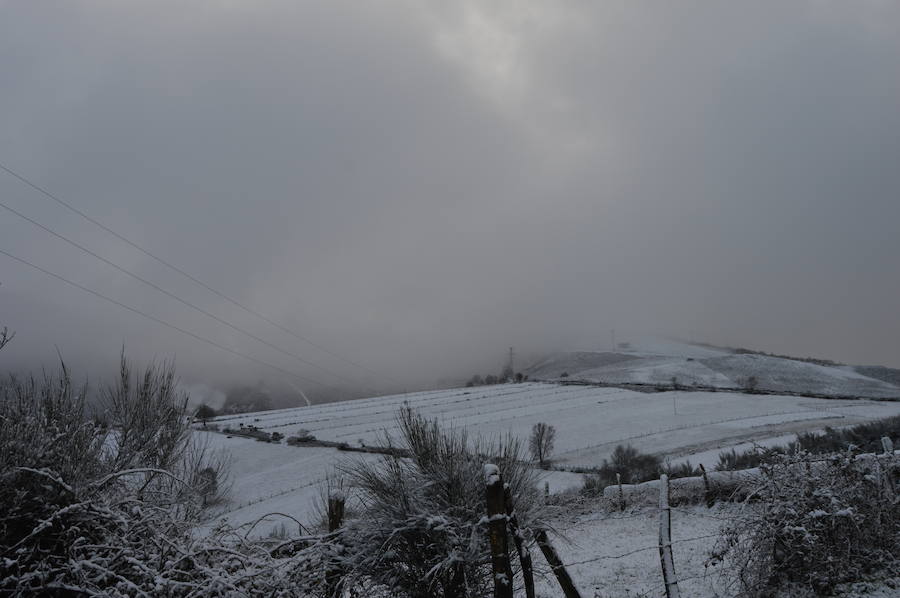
[[590, 422]]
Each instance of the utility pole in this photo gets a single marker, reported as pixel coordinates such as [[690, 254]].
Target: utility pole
[[612, 334], [512, 355]]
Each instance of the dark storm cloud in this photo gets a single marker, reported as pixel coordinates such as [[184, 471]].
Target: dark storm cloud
[[418, 186]]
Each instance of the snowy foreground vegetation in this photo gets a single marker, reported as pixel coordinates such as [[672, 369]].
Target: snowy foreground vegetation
[[135, 499]]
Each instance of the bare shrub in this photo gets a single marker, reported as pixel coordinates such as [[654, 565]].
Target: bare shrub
[[5, 336], [206, 471], [43, 425], [750, 383], [541, 442], [422, 528], [149, 416], [819, 522], [731, 460], [865, 437], [204, 412], [633, 465]]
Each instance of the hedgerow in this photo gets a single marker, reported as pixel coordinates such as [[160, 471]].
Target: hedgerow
[[817, 522]]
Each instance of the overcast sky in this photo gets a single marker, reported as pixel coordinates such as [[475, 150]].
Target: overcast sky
[[419, 185]]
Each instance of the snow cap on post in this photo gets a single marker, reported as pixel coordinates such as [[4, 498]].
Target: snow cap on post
[[491, 473]]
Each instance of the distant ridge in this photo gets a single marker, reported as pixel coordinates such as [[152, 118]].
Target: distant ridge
[[665, 362]]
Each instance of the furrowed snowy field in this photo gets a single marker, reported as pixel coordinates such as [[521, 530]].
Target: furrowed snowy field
[[590, 422]]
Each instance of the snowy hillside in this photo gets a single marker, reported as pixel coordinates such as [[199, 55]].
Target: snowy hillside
[[659, 362]]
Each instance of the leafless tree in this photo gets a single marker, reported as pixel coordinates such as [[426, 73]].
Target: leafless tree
[[750, 383], [5, 336], [541, 442]]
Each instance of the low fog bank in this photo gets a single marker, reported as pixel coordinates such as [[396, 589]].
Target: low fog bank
[[228, 383], [416, 188]]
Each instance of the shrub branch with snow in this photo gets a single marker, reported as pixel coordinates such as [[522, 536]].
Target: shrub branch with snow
[[421, 530], [818, 522]]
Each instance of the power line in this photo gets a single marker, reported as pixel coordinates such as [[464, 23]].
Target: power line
[[168, 293], [234, 302], [163, 322]]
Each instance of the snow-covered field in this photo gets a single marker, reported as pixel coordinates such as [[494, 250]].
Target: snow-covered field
[[590, 422], [617, 554], [608, 554], [659, 361]]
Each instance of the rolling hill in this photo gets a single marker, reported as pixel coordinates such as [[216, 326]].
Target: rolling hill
[[660, 362]]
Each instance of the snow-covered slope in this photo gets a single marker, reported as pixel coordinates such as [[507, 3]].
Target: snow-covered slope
[[662, 362]]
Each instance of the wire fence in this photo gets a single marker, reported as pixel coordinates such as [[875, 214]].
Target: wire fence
[[672, 559]]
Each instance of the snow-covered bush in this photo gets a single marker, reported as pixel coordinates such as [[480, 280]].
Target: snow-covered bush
[[818, 522], [632, 466], [866, 437], [421, 531], [93, 509]]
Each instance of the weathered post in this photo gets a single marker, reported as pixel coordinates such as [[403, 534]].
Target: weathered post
[[519, 540], [496, 512], [335, 511], [333, 573], [455, 585], [888, 447], [707, 489], [621, 494], [665, 539], [556, 564]]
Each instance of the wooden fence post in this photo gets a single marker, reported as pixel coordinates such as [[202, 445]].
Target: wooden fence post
[[333, 572], [888, 447], [707, 489], [335, 511], [621, 494], [519, 540], [556, 564], [496, 512], [665, 539]]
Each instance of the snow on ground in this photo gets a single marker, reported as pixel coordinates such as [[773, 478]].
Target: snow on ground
[[274, 478], [710, 458], [559, 481], [589, 421], [610, 554], [659, 361], [277, 478], [660, 370], [616, 554], [559, 364], [672, 347]]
